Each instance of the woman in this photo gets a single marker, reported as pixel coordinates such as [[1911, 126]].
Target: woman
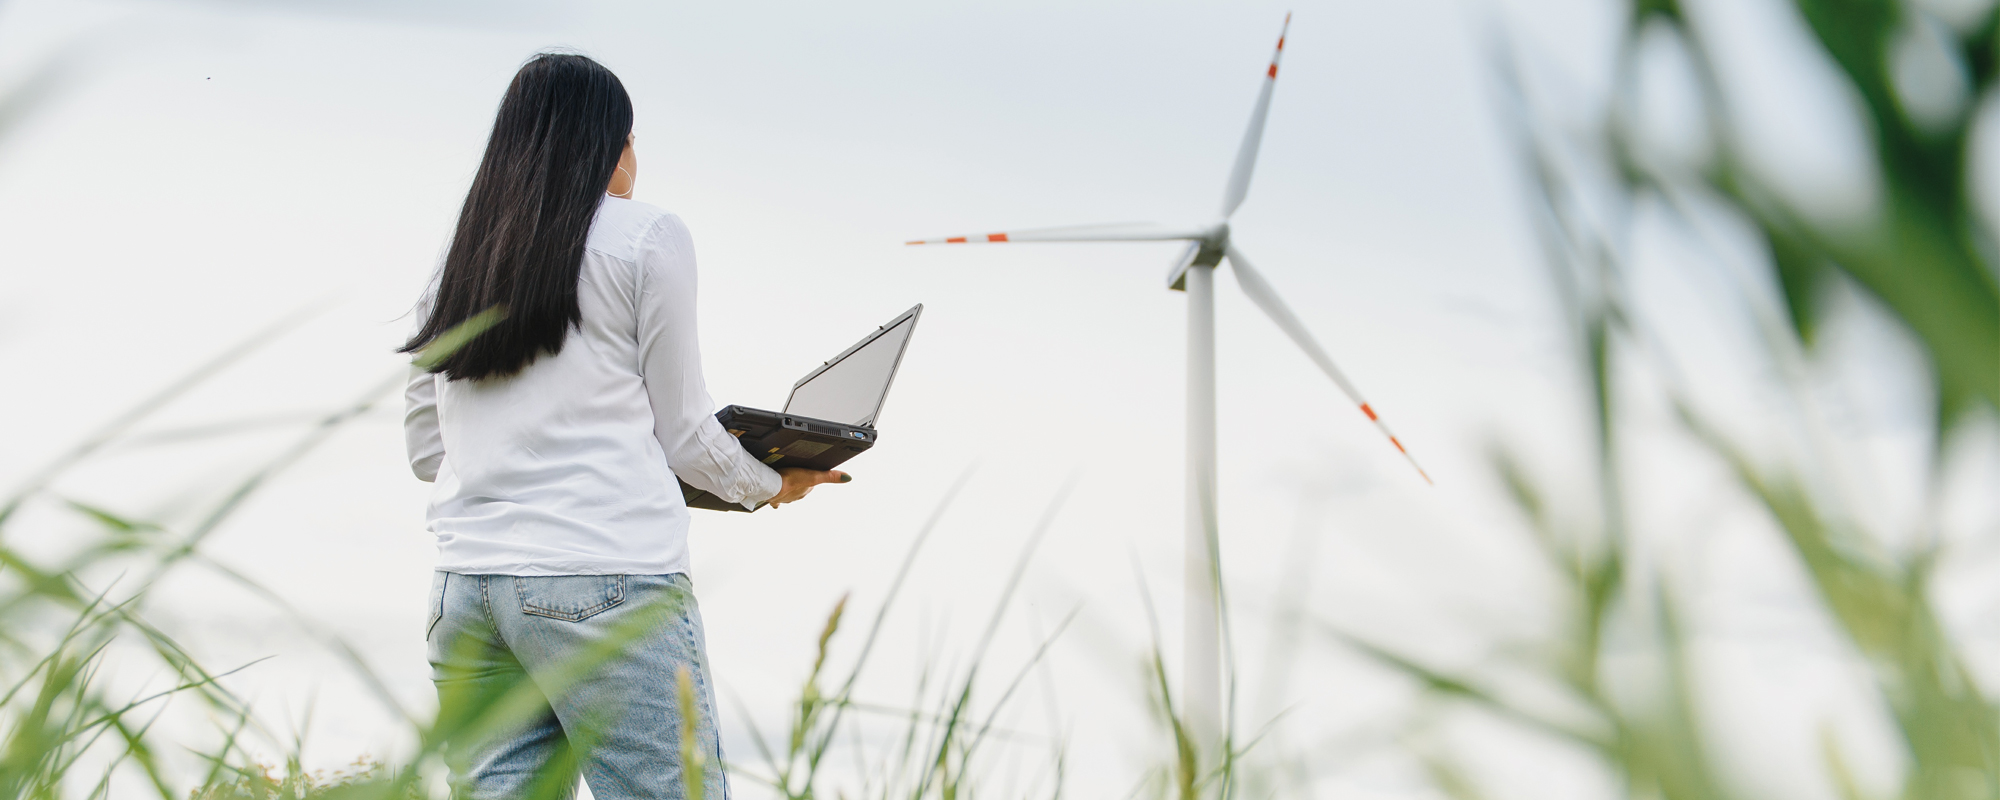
[[554, 437]]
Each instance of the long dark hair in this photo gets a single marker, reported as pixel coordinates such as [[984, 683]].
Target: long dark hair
[[519, 244]]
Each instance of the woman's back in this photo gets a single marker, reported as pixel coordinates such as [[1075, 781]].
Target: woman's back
[[567, 467]]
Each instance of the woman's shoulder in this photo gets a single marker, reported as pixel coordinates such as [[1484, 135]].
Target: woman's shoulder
[[624, 228]]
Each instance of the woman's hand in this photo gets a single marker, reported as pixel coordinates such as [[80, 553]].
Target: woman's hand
[[800, 482]]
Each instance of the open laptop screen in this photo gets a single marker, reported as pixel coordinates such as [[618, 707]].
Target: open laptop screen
[[850, 388]]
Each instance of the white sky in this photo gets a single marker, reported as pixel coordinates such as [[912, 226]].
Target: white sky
[[212, 168]]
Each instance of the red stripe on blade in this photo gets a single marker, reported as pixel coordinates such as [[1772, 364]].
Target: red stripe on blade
[[1399, 446], [1369, 411], [996, 237], [919, 241], [1274, 72], [1281, 43], [955, 240]]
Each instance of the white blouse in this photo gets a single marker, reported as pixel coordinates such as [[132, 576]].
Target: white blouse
[[567, 468]]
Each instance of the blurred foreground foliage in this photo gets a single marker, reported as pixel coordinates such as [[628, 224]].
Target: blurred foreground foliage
[[1921, 252]]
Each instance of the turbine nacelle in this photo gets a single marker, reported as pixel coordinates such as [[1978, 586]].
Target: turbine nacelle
[[1205, 251]]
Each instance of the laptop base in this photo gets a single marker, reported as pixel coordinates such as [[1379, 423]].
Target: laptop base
[[784, 440]]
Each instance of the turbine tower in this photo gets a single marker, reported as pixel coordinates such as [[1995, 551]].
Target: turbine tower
[[1194, 273]]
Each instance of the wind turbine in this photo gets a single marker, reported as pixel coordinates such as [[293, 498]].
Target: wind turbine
[[1194, 273]]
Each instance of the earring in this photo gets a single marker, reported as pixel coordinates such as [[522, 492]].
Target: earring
[[631, 183]]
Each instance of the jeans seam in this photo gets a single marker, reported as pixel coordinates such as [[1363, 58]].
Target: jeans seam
[[444, 578], [698, 667]]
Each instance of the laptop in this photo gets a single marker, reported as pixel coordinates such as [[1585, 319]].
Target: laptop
[[831, 414]]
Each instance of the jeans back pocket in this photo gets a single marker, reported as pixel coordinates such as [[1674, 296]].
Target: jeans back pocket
[[569, 597]]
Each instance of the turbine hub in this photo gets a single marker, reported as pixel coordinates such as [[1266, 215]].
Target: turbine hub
[[1217, 236]]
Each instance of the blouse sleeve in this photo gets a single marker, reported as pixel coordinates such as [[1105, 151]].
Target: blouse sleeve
[[422, 440], [698, 449]]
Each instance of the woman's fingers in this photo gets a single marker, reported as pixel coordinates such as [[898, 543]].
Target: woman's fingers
[[784, 498]]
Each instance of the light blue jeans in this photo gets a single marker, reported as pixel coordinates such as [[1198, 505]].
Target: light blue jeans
[[618, 721]]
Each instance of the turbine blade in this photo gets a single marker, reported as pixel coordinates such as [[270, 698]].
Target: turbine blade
[[1266, 298], [1246, 155], [1120, 232]]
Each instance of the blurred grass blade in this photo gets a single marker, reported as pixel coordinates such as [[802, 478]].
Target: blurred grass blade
[[456, 337], [1440, 683]]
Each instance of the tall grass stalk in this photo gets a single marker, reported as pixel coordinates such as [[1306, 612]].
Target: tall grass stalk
[[938, 750], [693, 759]]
